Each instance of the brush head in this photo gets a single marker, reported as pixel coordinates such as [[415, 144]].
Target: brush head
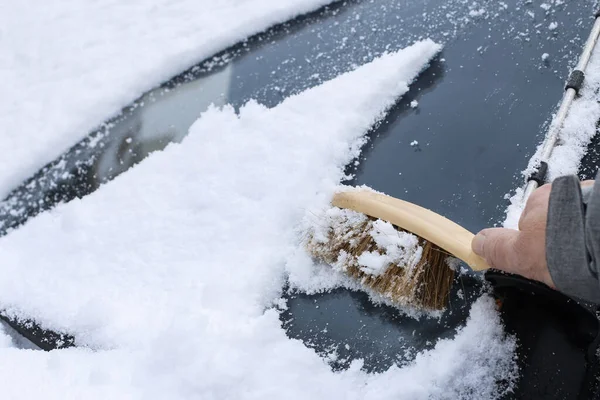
[[399, 266]]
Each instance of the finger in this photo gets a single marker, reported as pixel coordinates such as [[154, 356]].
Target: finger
[[498, 246]]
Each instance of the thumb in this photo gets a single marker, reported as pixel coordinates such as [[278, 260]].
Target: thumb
[[498, 247]]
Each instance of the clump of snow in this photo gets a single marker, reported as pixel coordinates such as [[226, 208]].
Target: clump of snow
[[515, 209], [331, 219], [414, 104], [414, 143], [166, 272], [477, 13], [577, 132], [53, 99], [401, 248], [545, 56], [553, 26]]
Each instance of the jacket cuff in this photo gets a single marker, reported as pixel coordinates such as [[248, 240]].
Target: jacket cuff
[[566, 252]]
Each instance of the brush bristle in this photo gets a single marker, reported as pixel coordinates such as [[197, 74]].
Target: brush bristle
[[425, 284]]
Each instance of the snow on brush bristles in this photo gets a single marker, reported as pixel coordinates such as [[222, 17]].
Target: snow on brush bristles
[[396, 265]]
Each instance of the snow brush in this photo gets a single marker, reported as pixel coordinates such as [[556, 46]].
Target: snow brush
[[403, 252]]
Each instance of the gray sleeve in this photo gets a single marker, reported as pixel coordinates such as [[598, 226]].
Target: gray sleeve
[[573, 238]]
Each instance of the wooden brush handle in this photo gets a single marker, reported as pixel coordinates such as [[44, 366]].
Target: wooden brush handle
[[432, 227]]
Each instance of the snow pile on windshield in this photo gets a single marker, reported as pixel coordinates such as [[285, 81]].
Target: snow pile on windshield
[[72, 64], [577, 132], [169, 273]]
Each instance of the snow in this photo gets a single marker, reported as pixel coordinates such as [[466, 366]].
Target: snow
[[577, 132], [477, 13], [552, 26], [545, 56], [414, 143], [168, 275], [401, 248], [439, 364], [68, 65], [5, 339], [414, 104]]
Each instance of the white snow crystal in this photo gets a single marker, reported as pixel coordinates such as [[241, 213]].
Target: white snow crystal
[[414, 104], [414, 143], [545, 56], [553, 26]]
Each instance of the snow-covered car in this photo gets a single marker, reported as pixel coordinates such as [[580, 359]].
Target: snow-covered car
[[79, 232]]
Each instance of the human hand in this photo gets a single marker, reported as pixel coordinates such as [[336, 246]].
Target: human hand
[[522, 251]]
